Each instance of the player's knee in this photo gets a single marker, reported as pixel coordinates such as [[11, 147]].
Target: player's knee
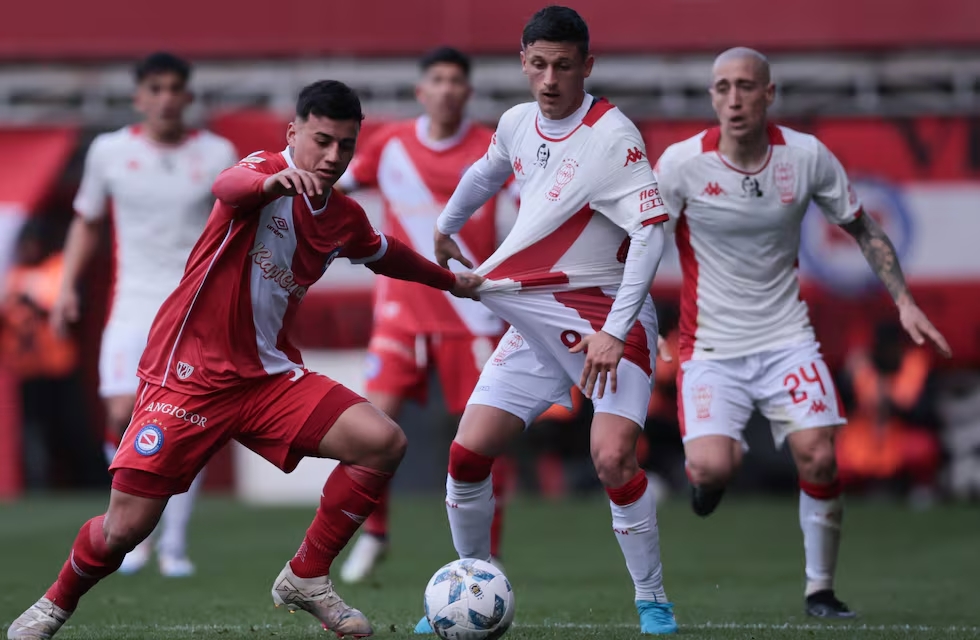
[[816, 460], [710, 471], [124, 531], [615, 461], [390, 446]]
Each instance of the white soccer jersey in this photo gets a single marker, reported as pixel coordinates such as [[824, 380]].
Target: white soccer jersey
[[738, 238], [160, 198], [581, 196]]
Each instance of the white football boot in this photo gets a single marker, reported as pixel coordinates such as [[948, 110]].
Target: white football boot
[[41, 621], [176, 567], [364, 557], [317, 596]]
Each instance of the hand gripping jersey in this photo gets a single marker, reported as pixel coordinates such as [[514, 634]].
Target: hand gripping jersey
[[581, 196], [416, 177]]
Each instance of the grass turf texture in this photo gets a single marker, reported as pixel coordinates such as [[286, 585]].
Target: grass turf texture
[[737, 574]]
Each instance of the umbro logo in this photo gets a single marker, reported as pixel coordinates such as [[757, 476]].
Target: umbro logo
[[713, 189], [281, 223], [633, 155]]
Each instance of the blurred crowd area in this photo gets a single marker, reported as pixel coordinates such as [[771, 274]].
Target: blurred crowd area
[[899, 110]]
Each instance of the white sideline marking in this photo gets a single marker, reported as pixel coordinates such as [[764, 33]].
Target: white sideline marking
[[706, 626]]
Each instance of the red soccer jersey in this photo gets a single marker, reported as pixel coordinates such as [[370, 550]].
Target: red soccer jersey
[[228, 320], [416, 176]]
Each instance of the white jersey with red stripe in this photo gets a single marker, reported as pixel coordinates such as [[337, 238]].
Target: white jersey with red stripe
[[581, 195], [160, 198], [416, 177], [738, 238], [229, 319]]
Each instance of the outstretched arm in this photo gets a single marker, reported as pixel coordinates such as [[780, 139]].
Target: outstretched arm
[[880, 253], [401, 262]]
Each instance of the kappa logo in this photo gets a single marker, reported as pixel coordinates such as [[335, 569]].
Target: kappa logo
[[633, 155], [518, 166], [149, 439], [818, 406], [184, 370], [713, 189]]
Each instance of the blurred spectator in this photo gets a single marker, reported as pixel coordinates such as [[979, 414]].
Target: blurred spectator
[[890, 435], [52, 397]]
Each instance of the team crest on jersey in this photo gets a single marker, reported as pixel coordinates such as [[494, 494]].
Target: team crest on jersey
[[149, 439], [785, 182], [184, 370], [565, 174]]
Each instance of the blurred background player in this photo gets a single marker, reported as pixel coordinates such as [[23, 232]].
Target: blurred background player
[[156, 178], [416, 164], [573, 280], [740, 191]]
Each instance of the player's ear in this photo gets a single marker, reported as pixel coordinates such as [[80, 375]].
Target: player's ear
[[770, 94], [523, 62], [291, 134], [589, 61]]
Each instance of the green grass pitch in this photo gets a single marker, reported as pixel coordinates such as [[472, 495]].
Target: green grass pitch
[[737, 574]]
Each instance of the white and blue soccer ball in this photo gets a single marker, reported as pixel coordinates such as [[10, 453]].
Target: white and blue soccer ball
[[469, 600]]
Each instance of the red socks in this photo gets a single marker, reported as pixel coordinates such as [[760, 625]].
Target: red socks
[[821, 491], [89, 562], [350, 495]]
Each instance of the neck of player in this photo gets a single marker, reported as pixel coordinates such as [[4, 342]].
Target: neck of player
[[747, 152], [165, 134], [443, 129]]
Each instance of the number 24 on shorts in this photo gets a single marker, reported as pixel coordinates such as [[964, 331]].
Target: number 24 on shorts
[[794, 380]]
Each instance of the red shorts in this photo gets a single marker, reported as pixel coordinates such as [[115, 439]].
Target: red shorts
[[172, 435], [399, 361]]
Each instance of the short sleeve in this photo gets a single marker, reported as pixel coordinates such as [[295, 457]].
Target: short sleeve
[[365, 243], [669, 182], [93, 193], [832, 191], [627, 192]]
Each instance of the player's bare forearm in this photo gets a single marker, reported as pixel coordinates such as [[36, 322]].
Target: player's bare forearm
[[880, 253], [80, 246]]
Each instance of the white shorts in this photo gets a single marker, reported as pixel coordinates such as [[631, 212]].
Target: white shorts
[[532, 369], [119, 357], [792, 387]]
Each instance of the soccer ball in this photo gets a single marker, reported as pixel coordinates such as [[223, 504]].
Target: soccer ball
[[469, 600]]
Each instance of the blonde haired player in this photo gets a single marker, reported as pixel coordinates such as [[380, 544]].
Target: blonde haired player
[[739, 192]]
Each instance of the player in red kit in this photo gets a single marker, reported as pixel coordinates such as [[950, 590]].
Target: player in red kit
[[219, 365], [416, 165]]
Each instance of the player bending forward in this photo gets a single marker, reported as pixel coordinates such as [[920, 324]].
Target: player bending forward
[[740, 192], [219, 366], [573, 280], [158, 177]]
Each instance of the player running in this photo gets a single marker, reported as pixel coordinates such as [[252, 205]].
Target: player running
[[416, 164], [219, 365], [157, 177], [573, 279], [740, 191]]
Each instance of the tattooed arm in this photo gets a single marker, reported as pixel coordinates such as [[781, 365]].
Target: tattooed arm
[[880, 253]]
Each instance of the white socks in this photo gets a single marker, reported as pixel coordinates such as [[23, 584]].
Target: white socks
[[820, 521], [470, 509], [635, 526], [176, 517]]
